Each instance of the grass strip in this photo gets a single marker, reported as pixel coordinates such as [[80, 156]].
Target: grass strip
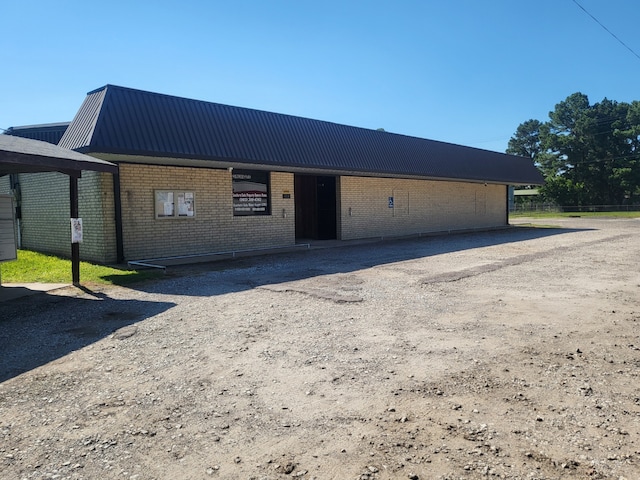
[[33, 267]]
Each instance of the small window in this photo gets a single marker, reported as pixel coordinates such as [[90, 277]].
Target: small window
[[175, 204], [251, 195]]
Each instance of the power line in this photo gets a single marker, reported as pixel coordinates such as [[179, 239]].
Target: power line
[[607, 30]]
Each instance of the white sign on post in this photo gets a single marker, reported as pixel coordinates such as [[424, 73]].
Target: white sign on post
[[8, 250], [76, 230]]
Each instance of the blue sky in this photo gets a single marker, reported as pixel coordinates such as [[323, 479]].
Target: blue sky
[[460, 71]]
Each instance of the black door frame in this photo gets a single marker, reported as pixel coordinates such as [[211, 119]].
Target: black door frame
[[316, 201]]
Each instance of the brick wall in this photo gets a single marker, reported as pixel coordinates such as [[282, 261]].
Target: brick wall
[[45, 225], [96, 205], [213, 228], [419, 206]]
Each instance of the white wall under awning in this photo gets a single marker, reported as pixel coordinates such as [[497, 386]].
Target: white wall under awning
[[8, 249]]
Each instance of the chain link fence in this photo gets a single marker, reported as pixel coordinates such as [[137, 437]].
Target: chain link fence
[[525, 207]]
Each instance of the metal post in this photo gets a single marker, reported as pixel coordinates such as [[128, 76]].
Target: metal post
[[75, 247]]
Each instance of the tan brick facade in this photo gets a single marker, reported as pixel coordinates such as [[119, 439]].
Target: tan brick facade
[[213, 228], [45, 225], [419, 206]]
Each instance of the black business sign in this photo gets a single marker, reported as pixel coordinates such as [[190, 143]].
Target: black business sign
[[250, 192]]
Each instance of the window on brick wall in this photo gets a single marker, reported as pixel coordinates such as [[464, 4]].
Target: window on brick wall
[[251, 192], [175, 204]]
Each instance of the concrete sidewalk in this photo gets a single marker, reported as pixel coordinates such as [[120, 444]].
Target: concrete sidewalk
[[11, 291]]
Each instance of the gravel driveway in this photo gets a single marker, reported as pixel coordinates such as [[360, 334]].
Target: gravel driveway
[[503, 354]]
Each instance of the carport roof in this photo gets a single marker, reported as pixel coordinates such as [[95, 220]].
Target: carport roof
[[23, 155], [121, 121]]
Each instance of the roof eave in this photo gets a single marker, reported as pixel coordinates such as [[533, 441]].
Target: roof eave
[[225, 163]]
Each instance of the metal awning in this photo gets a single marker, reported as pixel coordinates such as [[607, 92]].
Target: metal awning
[[23, 155]]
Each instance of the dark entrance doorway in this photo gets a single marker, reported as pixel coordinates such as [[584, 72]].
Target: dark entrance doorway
[[316, 217]]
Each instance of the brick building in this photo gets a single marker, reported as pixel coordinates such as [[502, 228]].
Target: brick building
[[198, 178]]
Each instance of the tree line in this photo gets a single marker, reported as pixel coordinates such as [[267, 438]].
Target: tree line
[[588, 154]]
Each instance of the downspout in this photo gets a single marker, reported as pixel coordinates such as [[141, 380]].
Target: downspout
[[117, 205]]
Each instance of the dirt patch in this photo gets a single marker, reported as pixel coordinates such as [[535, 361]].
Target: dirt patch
[[508, 354]]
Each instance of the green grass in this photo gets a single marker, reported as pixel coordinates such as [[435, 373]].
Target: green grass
[[575, 214], [37, 267]]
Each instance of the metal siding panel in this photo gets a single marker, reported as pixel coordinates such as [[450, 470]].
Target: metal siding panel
[[313, 147], [294, 140], [237, 144], [141, 123], [80, 131], [268, 140], [201, 131], [175, 130], [252, 140], [213, 116], [216, 140]]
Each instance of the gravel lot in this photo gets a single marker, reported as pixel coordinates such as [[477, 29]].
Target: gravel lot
[[504, 354]]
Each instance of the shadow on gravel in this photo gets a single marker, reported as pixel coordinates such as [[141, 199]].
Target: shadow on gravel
[[41, 328], [327, 258]]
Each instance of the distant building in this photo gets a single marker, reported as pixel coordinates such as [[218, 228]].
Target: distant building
[[197, 177], [49, 132], [525, 198]]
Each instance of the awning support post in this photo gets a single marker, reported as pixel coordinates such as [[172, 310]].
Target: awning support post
[[75, 247]]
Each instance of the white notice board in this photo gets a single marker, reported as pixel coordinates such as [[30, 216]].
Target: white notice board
[[8, 249]]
